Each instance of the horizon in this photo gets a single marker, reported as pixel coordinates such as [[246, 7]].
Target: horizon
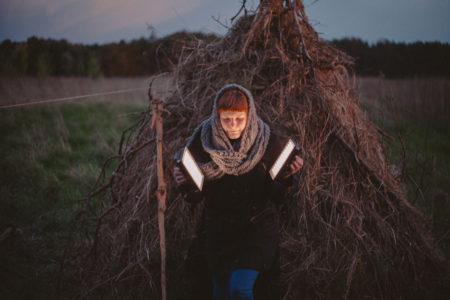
[[219, 36], [98, 22]]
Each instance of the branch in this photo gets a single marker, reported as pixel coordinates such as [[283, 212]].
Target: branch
[[218, 21], [242, 8]]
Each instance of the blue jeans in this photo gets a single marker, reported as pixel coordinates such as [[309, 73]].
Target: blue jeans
[[239, 286]]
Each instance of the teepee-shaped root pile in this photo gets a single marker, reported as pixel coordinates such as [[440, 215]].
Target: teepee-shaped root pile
[[347, 229]]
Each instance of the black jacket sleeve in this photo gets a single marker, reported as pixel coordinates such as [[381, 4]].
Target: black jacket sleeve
[[281, 187], [190, 192], [193, 196]]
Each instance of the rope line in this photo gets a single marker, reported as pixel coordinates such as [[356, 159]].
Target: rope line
[[70, 98]]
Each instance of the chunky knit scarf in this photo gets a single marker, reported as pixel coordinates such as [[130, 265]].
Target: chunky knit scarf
[[224, 158]]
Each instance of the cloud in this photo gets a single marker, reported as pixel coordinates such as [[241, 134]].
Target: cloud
[[118, 14], [95, 21], [23, 9], [55, 17]]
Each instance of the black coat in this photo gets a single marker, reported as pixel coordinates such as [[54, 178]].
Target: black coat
[[241, 226]]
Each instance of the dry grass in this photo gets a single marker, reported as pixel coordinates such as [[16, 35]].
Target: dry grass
[[421, 100], [26, 89]]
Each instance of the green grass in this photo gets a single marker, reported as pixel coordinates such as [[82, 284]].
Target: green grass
[[50, 160], [427, 164], [415, 113]]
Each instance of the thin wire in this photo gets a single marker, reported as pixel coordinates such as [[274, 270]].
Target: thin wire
[[70, 98]]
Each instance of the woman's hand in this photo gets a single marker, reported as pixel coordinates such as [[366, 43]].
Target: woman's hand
[[295, 166], [179, 176]]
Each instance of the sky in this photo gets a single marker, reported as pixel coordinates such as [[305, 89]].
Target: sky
[[104, 21]]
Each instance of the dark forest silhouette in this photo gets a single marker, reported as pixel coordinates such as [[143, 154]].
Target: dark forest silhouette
[[398, 59], [147, 56]]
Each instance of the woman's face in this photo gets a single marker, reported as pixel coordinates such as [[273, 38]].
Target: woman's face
[[233, 123]]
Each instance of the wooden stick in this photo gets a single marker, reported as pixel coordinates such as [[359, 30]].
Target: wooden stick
[[161, 191]]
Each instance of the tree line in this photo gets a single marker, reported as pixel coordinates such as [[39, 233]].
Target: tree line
[[390, 59], [39, 57]]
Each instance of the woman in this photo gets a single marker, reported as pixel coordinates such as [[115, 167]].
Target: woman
[[235, 150]]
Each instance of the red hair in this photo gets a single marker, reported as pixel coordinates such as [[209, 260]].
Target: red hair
[[232, 100]]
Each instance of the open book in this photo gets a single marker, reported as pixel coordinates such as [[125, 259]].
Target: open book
[[284, 159], [191, 168]]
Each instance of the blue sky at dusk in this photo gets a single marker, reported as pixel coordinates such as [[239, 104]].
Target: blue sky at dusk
[[102, 21]]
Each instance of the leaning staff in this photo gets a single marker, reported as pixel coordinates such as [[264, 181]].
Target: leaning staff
[[161, 191]]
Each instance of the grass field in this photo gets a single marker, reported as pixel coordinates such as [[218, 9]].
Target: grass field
[[52, 154], [415, 113]]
